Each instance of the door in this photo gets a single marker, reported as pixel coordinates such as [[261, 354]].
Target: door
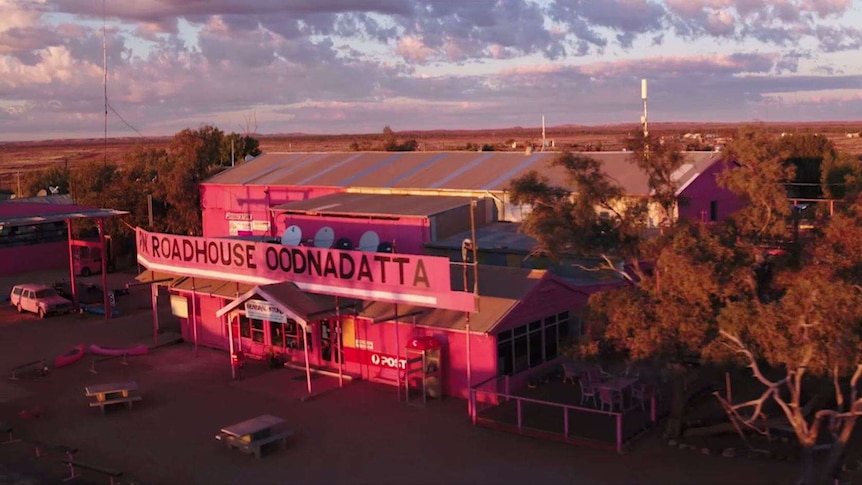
[[329, 352]]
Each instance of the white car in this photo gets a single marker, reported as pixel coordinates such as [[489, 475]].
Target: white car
[[39, 299]]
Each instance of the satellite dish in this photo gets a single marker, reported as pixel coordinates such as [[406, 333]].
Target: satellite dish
[[369, 241], [344, 244], [385, 247], [291, 236], [54, 189], [324, 238], [41, 193], [248, 158]]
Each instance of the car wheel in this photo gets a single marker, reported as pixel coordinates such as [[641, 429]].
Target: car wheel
[[41, 313], [20, 310], [85, 272]]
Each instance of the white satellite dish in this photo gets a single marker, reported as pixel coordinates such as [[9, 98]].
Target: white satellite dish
[[291, 236], [369, 241], [324, 238]]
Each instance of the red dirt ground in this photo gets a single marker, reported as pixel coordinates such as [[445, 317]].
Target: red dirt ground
[[359, 434]]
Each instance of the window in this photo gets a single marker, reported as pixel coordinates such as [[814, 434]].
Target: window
[[504, 356], [713, 210], [537, 342], [286, 335], [244, 327], [257, 331], [536, 355], [251, 328], [551, 338]]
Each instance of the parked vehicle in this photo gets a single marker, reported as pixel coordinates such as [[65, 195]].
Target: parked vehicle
[[87, 260], [39, 299]]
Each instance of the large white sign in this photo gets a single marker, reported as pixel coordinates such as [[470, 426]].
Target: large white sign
[[264, 310]]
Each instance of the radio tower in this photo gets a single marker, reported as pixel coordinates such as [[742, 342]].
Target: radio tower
[[644, 117]]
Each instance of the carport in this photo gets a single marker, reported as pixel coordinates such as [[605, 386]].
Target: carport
[[29, 220]]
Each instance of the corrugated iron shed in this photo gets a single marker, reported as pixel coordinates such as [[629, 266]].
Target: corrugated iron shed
[[475, 171]]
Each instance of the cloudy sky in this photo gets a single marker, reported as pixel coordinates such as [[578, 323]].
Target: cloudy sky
[[355, 66]]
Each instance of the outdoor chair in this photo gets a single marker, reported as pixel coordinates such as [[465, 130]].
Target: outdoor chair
[[641, 394], [570, 372], [587, 391], [596, 375], [610, 399]]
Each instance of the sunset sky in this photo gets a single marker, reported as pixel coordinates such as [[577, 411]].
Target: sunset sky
[[355, 66]]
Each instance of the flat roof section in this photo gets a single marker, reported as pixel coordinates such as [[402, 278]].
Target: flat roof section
[[28, 213], [379, 205]]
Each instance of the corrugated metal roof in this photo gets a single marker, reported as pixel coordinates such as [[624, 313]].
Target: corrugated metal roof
[[226, 289], [435, 170], [26, 213], [374, 205], [500, 289]]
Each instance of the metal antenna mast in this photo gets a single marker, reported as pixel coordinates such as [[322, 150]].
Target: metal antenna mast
[[644, 98], [105, 79]]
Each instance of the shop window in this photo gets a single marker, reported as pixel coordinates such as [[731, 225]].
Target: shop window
[[257, 331], [286, 335], [244, 327]]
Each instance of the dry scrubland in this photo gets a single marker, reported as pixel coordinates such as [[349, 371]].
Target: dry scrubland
[[17, 157]]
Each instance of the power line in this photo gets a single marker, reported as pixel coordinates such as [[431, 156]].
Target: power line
[[125, 122]]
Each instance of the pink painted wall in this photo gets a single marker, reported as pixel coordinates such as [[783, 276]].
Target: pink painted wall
[[705, 189], [216, 200], [483, 349], [212, 333], [38, 257], [548, 298], [408, 233]]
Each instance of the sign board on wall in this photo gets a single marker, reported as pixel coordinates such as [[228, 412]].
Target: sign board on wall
[[179, 306], [237, 216], [389, 277], [383, 360], [260, 226], [264, 310], [236, 227]]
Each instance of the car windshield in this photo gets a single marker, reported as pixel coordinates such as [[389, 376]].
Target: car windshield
[[46, 293]]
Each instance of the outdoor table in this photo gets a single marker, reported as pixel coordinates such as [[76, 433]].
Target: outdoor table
[[618, 384], [112, 393], [105, 392], [252, 435], [254, 428]]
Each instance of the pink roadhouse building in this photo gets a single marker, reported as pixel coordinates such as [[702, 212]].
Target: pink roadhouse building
[[321, 259]]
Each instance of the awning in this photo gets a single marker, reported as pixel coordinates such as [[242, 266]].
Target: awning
[[206, 286], [286, 295], [160, 278]]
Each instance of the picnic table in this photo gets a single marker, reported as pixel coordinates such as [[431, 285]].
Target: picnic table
[[112, 393], [252, 435], [618, 385]]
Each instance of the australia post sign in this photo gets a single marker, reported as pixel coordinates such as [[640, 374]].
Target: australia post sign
[[390, 277]]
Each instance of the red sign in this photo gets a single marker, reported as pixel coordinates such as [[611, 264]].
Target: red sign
[[390, 277], [383, 360]]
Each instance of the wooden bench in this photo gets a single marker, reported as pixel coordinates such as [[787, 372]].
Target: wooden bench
[[41, 448], [74, 465], [128, 400], [38, 367], [7, 428], [256, 446]]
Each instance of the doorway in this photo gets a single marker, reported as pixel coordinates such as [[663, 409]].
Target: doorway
[[329, 348]]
